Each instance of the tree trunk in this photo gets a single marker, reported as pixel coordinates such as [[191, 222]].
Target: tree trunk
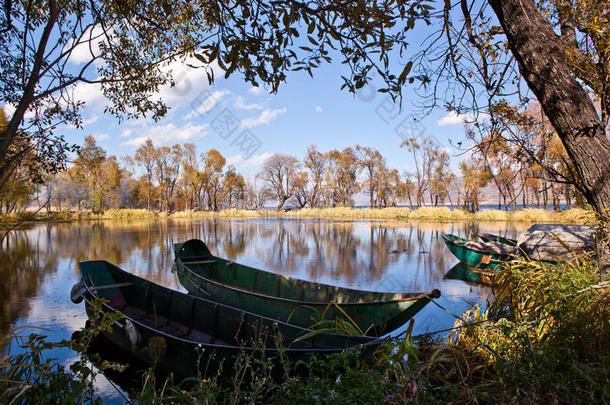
[[544, 65], [10, 132]]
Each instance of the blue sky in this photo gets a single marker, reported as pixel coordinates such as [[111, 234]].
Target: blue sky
[[247, 125]]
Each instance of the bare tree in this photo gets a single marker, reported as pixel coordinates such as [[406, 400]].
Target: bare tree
[[278, 173], [316, 163]]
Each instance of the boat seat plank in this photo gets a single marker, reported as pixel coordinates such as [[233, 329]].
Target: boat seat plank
[[108, 286], [201, 262]]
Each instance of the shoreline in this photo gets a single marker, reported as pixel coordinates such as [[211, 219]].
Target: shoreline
[[403, 214]]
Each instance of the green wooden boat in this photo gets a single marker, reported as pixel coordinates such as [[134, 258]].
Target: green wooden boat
[[469, 274], [479, 254], [185, 334], [490, 237], [298, 302]]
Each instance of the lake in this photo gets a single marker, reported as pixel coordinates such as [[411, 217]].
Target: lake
[[38, 265]]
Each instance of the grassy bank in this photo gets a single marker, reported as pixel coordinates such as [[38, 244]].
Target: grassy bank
[[575, 215], [432, 214], [544, 340]]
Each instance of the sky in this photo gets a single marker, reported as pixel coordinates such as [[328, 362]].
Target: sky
[[248, 124]]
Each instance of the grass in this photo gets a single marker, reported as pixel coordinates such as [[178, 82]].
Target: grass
[[441, 214], [433, 214], [544, 339]]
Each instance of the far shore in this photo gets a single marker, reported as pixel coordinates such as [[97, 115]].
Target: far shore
[[440, 214]]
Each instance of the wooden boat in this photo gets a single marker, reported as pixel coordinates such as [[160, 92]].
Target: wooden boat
[[479, 254], [291, 300], [490, 237], [556, 242], [550, 243], [470, 274], [179, 332]]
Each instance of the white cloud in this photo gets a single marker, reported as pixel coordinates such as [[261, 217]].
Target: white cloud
[[168, 133], [256, 90], [87, 47], [240, 103], [94, 118], [101, 137], [126, 132], [9, 110], [208, 104], [318, 109], [453, 118], [91, 95], [257, 160], [191, 83], [264, 118]]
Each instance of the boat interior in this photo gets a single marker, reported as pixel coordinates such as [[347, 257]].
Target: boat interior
[[199, 262], [188, 317]]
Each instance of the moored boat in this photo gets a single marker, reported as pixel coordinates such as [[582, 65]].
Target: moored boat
[[298, 302], [191, 336], [479, 254], [490, 237]]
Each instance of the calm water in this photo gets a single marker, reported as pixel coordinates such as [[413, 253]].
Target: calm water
[[38, 266]]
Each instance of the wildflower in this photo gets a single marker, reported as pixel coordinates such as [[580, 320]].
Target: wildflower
[[388, 398]]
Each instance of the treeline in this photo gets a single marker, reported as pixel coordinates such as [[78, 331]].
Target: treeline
[[181, 178]]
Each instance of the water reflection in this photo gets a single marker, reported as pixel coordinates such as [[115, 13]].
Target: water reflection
[[24, 264], [38, 265]]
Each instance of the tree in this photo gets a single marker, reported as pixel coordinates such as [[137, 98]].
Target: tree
[[315, 162], [18, 188], [370, 160], [425, 153], [558, 48], [213, 163], [234, 186], [479, 61], [341, 177], [191, 177], [300, 189], [146, 156], [98, 173], [48, 47], [168, 169], [475, 175], [278, 174]]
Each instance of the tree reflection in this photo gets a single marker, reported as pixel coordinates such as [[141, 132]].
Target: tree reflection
[[24, 265], [392, 256]]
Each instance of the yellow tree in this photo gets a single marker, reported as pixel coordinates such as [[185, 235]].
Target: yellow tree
[[315, 162], [474, 175], [234, 187], [146, 156], [213, 163]]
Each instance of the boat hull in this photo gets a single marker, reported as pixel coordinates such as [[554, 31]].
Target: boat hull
[[472, 257], [189, 336], [298, 302], [489, 237]]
